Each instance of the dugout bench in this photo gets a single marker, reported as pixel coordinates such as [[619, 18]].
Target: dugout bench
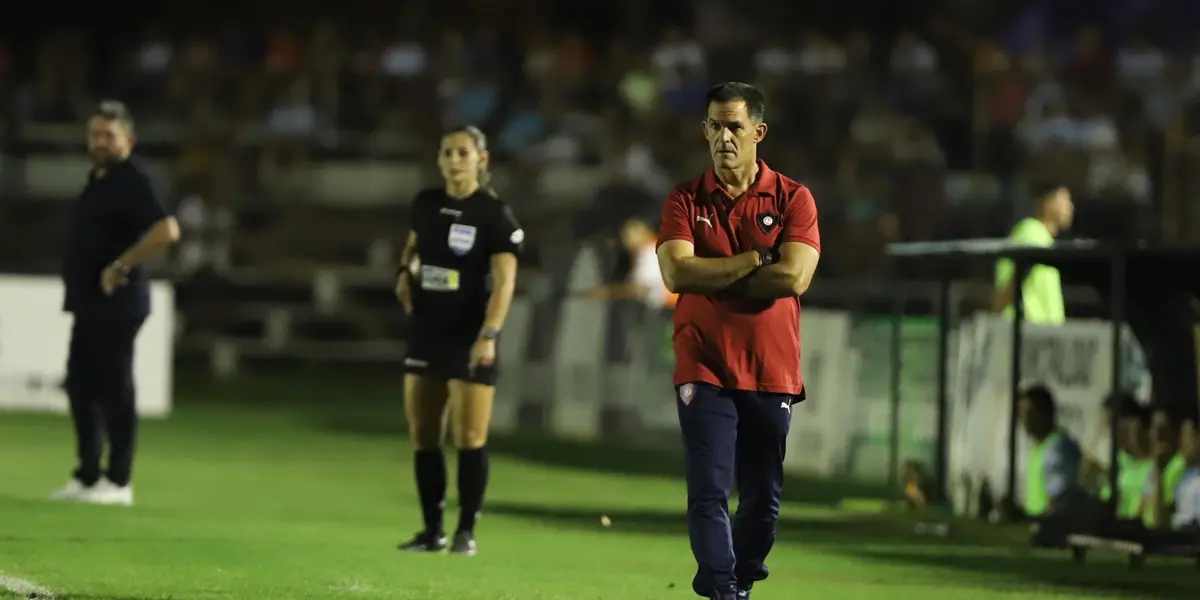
[[1153, 288], [1136, 549]]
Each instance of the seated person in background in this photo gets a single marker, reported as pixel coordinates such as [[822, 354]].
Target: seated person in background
[[1134, 458], [1158, 498], [1098, 450], [1162, 420], [1187, 493], [920, 489], [1052, 471], [645, 282]]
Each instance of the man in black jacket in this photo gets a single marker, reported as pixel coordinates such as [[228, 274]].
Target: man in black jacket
[[118, 224]]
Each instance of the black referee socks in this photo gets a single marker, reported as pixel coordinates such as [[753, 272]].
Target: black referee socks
[[431, 487], [472, 483]]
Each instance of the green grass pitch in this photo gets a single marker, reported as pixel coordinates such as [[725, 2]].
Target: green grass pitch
[[279, 488]]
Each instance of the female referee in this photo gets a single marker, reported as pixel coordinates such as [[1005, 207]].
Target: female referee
[[456, 280]]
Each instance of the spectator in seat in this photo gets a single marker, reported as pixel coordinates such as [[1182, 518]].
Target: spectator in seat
[[644, 282], [1052, 470], [1187, 493], [1167, 473], [1134, 457]]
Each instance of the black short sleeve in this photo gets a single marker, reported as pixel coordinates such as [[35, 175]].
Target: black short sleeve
[[506, 233], [142, 206]]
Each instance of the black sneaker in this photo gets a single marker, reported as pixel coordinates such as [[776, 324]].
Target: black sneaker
[[425, 542], [464, 543], [743, 595]]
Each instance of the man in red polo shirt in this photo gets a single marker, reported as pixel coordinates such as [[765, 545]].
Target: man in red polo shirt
[[739, 244]]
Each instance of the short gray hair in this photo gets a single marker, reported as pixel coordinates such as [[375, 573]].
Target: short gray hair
[[115, 110]]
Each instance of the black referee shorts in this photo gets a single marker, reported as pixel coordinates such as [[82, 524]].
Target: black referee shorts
[[446, 360]]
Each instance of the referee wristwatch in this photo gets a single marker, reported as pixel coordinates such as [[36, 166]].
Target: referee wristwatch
[[489, 333], [120, 267]]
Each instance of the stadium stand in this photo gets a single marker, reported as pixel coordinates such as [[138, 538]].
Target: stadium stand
[[290, 151], [925, 129]]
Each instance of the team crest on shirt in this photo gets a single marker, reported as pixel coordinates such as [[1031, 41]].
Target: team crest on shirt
[[686, 392], [767, 221], [461, 238]]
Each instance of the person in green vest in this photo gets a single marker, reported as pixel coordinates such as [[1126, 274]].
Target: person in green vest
[[1134, 457], [1042, 296], [1052, 469], [1187, 493], [1098, 453], [1170, 465]]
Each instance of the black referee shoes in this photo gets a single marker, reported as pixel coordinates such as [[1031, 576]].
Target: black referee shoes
[[464, 543]]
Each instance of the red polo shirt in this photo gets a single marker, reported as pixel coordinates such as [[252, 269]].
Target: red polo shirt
[[723, 340]]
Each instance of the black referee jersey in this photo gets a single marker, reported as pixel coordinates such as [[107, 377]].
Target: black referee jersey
[[456, 240]]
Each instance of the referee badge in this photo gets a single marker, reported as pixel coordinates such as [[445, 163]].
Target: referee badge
[[686, 392], [768, 221], [461, 238]]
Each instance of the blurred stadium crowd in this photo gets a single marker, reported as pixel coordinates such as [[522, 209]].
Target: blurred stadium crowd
[[909, 123]]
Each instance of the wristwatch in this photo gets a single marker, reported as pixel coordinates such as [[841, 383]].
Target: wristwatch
[[120, 267], [489, 333], [767, 256]]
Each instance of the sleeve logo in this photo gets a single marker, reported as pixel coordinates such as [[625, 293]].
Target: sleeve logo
[[517, 237]]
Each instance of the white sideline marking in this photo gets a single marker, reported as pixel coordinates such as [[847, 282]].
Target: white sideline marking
[[24, 588]]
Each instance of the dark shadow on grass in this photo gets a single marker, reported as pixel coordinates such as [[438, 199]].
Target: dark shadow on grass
[[660, 461], [863, 537], [655, 459], [824, 531], [1164, 578], [367, 403]]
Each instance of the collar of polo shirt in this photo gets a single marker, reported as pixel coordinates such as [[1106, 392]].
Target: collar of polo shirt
[[100, 171], [765, 184]]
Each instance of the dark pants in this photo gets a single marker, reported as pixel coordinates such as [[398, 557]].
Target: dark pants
[[728, 436], [100, 388]]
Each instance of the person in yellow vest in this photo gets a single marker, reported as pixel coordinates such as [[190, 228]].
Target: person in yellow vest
[[1170, 464], [1052, 470], [1134, 457], [1187, 493], [1042, 297], [1097, 451]]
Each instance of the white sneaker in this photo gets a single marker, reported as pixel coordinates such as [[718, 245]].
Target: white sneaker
[[107, 493], [69, 491]]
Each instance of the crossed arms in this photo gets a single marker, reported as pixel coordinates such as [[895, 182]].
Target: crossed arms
[[742, 274]]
